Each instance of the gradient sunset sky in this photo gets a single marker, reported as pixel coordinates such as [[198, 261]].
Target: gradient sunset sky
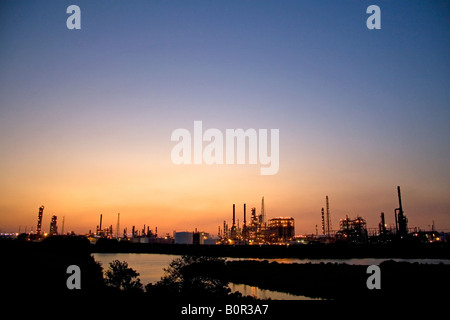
[[86, 115]]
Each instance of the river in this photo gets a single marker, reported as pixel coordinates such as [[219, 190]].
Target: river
[[151, 268]]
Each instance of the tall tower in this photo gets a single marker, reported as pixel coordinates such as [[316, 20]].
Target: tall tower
[[53, 226], [244, 228], [62, 229], [401, 222], [233, 231], [328, 218], [39, 224], [382, 226], [99, 228], [118, 222], [224, 230], [263, 213], [234, 216], [323, 222]]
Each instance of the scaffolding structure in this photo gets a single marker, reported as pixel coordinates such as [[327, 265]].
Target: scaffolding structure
[[353, 230], [257, 230]]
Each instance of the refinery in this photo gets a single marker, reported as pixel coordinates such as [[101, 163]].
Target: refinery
[[256, 229]]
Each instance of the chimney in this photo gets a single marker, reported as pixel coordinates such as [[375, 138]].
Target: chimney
[[400, 220], [383, 224], [234, 215]]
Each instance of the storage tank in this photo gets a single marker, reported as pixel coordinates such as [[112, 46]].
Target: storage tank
[[184, 237]]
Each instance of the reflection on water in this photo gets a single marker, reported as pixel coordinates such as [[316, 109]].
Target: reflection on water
[[149, 266], [264, 294], [356, 261]]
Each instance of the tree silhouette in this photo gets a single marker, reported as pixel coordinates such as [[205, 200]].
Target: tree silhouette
[[120, 276], [189, 276]]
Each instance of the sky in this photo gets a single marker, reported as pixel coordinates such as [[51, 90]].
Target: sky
[[86, 116]]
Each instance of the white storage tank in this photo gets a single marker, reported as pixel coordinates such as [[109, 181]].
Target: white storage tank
[[184, 237]]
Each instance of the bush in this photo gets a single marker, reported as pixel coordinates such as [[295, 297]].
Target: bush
[[188, 277], [121, 277]]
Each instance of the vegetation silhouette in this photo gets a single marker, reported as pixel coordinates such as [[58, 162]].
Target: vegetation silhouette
[[41, 267], [120, 277], [185, 278], [341, 281]]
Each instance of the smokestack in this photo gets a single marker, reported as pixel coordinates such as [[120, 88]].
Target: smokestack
[[383, 224], [263, 213], [400, 220], [400, 200], [245, 220], [234, 215], [100, 226], [329, 228], [118, 225]]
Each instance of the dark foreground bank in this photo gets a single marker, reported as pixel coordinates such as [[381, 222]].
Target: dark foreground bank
[[38, 272], [341, 282]]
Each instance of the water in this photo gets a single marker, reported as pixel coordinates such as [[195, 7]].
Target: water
[[259, 293], [151, 268]]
